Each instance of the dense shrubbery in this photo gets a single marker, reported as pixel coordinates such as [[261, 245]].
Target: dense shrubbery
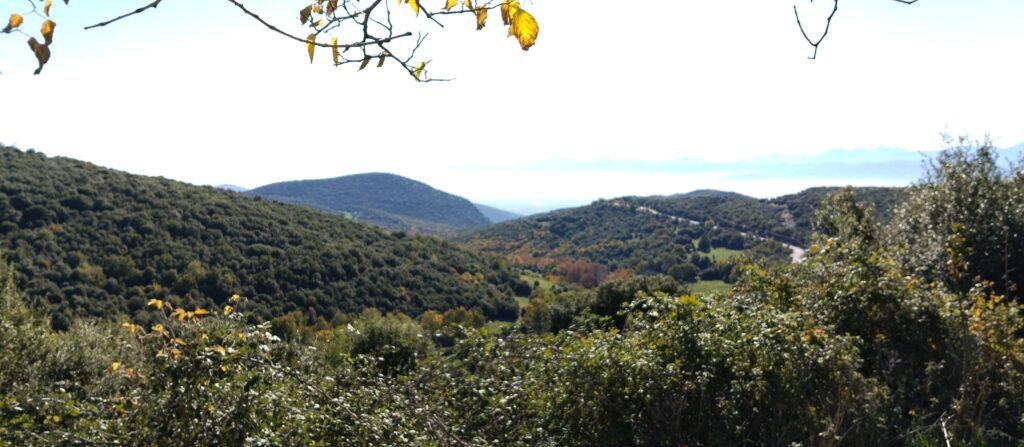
[[91, 241]]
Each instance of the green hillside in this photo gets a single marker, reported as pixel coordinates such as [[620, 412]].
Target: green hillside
[[85, 240], [586, 244], [786, 218], [386, 200]]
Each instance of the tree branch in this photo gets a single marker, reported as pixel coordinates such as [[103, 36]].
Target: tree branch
[[364, 43], [828, 23], [137, 11]]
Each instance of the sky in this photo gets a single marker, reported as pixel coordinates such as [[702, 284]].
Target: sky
[[196, 91]]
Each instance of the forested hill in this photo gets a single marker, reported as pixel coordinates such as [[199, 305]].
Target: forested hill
[[786, 218], [588, 243], [90, 240], [387, 200]]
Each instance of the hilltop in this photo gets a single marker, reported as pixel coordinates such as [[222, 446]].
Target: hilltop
[[387, 200]]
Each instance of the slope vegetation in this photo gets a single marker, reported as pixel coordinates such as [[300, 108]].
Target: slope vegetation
[[89, 240]]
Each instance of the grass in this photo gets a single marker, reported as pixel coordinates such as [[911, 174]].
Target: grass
[[725, 254], [709, 287], [542, 282]]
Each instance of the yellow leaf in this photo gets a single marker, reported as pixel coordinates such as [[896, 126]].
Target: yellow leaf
[[129, 372], [200, 312], [13, 22], [41, 51], [366, 60], [158, 304], [524, 27], [415, 6], [179, 342], [46, 8], [176, 353], [481, 18], [228, 309], [418, 71], [130, 326], [220, 350], [468, 4], [332, 5], [317, 8], [508, 8], [235, 298], [447, 7], [304, 14], [115, 366], [160, 329], [179, 312], [334, 51], [47, 31], [310, 47]]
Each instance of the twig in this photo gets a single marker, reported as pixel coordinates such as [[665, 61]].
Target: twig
[[137, 11], [346, 46], [828, 23]]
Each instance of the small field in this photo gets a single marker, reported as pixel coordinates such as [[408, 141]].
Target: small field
[[709, 287]]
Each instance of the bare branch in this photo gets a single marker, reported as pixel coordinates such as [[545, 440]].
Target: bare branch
[[137, 11], [828, 23]]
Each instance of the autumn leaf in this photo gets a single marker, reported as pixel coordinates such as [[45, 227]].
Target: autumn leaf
[[46, 7], [334, 49], [176, 353], [380, 62], [115, 366], [130, 326], [153, 302], [524, 27], [179, 312], [415, 6], [506, 7], [160, 329], [481, 18], [47, 30], [228, 310], [311, 46], [220, 350], [366, 61], [332, 5], [235, 298], [418, 71], [200, 312], [41, 51], [468, 4], [179, 342], [450, 4], [13, 22], [304, 14], [318, 8]]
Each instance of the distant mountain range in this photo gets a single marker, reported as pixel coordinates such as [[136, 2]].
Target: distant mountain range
[[386, 200]]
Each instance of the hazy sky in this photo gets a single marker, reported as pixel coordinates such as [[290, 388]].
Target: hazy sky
[[196, 91]]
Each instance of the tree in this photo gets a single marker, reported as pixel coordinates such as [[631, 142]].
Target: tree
[[365, 28], [964, 222]]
